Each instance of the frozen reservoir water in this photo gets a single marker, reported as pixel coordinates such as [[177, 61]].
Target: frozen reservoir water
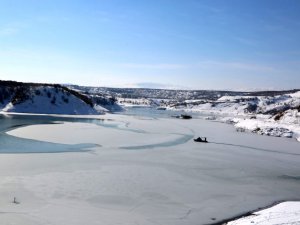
[[148, 170]]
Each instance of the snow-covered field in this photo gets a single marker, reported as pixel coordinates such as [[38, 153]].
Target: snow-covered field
[[146, 171]]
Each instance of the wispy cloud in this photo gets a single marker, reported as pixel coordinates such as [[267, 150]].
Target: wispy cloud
[[53, 18], [252, 89], [12, 29], [274, 27], [156, 86], [208, 64], [7, 31], [237, 66], [154, 66], [212, 9], [32, 54], [103, 16], [246, 41]]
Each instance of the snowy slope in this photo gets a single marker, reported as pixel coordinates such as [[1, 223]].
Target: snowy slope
[[45, 99]]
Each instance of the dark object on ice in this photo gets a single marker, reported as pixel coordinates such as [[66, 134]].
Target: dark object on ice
[[184, 116], [161, 108], [15, 201], [199, 139]]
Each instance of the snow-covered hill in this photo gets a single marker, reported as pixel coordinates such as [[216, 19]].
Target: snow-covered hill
[[44, 99], [167, 94], [267, 115]]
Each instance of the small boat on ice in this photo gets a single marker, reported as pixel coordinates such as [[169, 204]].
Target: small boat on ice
[[199, 139], [185, 116]]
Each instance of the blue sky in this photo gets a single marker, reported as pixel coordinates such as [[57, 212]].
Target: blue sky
[[194, 44]]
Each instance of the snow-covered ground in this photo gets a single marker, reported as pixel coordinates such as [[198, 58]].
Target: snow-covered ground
[[134, 102], [276, 116], [45, 99], [145, 171], [269, 127], [285, 213]]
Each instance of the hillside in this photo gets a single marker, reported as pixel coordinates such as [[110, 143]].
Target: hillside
[[178, 95], [45, 99], [266, 115]]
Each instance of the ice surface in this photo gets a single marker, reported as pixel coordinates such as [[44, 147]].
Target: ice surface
[[183, 184]]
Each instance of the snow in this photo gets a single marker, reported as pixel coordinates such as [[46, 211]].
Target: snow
[[183, 183], [149, 171], [276, 116], [295, 95], [52, 101], [273, 116], [260, 127], [283, 128], [236, 98], [239, 109], [134, 102], [285, 213], [99, 108]]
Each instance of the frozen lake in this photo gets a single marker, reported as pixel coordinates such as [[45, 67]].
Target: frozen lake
[[11, 144], [140, 170]]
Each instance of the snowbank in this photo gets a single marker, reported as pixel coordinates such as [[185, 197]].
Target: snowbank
[[295, 95], [285, 213], [264, 127]]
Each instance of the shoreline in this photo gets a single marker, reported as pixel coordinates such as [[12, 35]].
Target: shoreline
[[220, 118], [261, 125], [252, 212], [90, 116]]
